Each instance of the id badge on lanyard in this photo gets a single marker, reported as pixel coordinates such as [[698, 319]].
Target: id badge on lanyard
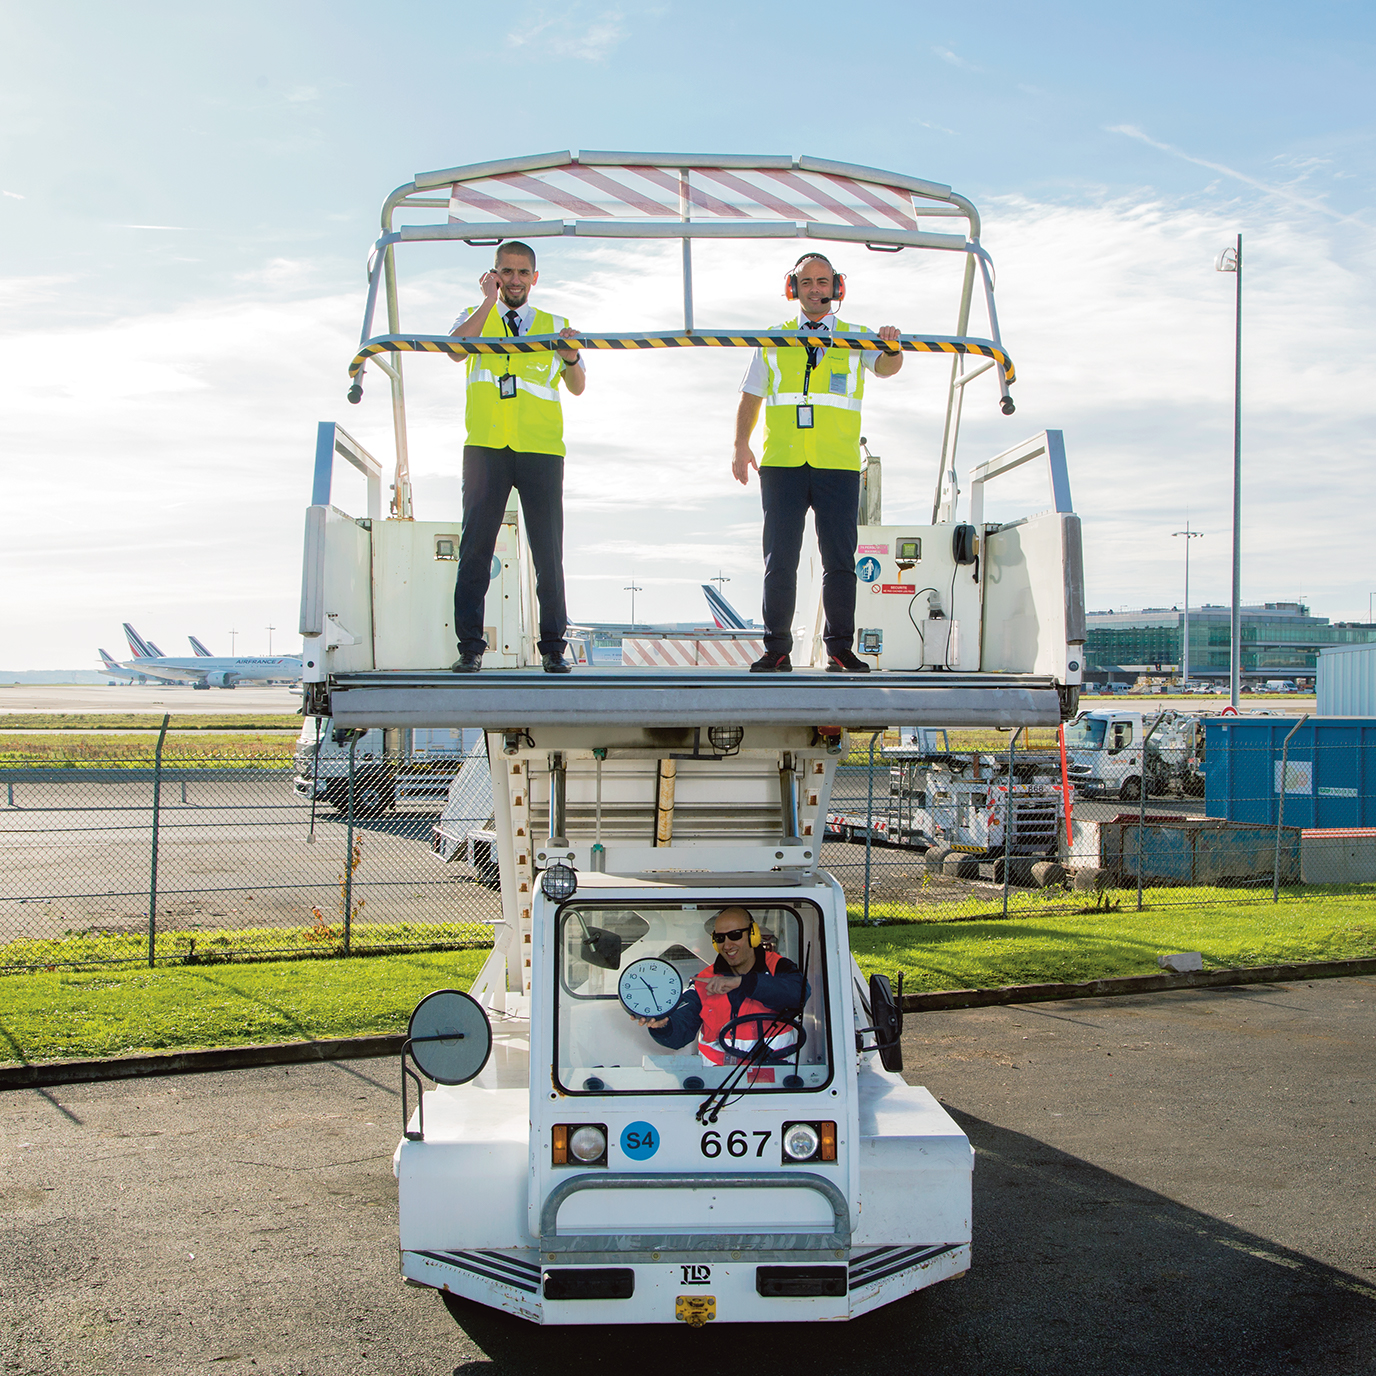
[[506, 386], [804, 416]]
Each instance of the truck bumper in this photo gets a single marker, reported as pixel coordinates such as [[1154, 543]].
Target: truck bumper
[[742, 1290]]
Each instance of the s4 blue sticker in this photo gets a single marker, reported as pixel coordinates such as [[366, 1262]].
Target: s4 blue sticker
[[639, 1141]]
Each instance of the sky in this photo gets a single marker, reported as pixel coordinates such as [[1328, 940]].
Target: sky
[[189, 195]]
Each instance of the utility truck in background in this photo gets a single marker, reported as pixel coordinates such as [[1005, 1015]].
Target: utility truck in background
[[390, 768], [1113, 753], [563, 1164]]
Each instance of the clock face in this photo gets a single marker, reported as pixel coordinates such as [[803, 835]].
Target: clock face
[[649, 988]]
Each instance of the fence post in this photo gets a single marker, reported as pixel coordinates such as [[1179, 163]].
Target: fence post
[[349, 851], [869, 829], [1280, 808], [153, 873], [1009, 816], [1142, 806]]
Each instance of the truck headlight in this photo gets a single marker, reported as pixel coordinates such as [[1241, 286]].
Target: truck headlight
[[588, 1143], [801, 1141]]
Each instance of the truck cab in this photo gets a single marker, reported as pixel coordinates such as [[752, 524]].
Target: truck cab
[[592, 1173]]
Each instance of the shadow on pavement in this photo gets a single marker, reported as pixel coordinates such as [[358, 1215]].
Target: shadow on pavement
[[1075, 1270]]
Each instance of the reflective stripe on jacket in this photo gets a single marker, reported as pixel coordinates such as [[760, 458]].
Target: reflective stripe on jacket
[[834, 390], [531, 422], [717, 1012]]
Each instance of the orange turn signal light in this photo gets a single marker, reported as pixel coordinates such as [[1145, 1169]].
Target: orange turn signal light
[[560, 1142], [827, 1132]]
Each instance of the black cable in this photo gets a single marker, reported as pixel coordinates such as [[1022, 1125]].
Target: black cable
[[952, 600], [922, 639]]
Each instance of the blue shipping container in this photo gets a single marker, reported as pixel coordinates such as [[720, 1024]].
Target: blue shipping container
[[1330, 770]]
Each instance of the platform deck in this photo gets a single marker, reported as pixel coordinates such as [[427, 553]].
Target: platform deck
[[514, 698]]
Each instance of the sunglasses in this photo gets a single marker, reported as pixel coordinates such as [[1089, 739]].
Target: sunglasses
[[734, 934]]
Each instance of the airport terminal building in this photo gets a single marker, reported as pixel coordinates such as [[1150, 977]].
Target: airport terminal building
[[1279, 640]]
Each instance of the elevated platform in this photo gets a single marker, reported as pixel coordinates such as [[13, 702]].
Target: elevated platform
[[516, 698]]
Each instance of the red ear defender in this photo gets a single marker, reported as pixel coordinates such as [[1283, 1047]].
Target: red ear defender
[[791, 282]]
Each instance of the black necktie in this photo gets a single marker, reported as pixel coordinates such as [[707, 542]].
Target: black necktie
[[814, 354], [513, 324]]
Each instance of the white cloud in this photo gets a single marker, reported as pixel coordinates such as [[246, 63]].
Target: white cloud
[[302, 94], [955, 60], [165, 459], [178, 228], [570, 34], [15, 196]]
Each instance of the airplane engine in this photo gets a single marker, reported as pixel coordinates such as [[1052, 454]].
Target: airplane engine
[[223, 679]]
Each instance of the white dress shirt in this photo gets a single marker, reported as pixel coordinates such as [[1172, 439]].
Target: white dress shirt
[[756, 375]]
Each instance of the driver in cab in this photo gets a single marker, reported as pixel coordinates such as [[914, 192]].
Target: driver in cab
[[744, 980]]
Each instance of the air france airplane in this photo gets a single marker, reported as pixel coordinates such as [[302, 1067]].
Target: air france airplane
[[205, 670]]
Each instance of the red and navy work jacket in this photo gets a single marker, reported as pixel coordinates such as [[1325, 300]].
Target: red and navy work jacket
[[774, 985]]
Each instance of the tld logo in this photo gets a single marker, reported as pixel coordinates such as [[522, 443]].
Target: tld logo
[[697, 1275]]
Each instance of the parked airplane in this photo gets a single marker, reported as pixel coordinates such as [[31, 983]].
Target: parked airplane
[[723, 613], [118, 673], [199, 648], [206, 670]]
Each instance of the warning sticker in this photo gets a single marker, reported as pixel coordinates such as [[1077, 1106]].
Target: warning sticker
[[908, 588], [871, 549]]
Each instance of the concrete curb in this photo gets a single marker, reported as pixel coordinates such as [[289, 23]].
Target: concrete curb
[[196, 1062], [48, 1073], [942, 999]]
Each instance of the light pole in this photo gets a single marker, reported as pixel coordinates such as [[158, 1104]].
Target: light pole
[[721, 580], [1185, 638], [632, 588], [232, 635], [1230, 260], [270, 630]]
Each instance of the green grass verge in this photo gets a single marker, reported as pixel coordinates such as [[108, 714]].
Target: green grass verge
[[213, 947], [148, 721], [112, 750], [1059, 944], [68, 1013], [74, 1015]]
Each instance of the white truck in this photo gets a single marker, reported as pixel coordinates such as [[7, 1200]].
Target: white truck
[[566, 1166], [412, 765], [1106, 757]]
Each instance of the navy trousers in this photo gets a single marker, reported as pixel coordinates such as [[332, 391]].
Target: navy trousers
[[834, 497], [488, 477]]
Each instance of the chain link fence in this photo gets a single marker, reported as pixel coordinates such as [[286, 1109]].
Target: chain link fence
[[191, 858]]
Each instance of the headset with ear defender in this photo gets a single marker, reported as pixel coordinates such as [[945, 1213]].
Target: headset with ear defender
[[755, 938], [838, 280]]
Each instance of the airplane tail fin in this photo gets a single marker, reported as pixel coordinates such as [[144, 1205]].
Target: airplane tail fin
[[156, 651], [200, 649], [137, 643], [723, 613], [110, 665]]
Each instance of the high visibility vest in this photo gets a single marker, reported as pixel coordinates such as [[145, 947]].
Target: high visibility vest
[[834, 390], [531, 422], [716, 1013]]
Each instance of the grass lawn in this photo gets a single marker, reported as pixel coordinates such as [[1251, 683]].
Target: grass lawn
[[59, 1014], [148, 721], [96, 749], [1062, 945], [62, 1015]]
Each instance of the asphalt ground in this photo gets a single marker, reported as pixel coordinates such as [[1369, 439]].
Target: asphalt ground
[[174, 698], [1179, 1183]]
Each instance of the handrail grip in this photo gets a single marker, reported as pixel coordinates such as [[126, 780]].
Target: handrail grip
[[733, 1180]]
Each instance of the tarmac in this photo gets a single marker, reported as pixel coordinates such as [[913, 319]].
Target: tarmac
[[1172, 1183], [145, 698]]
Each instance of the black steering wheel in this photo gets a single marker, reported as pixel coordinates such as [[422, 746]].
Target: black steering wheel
[[777, 1022]]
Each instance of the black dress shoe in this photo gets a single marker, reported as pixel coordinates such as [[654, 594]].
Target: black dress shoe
[[468, 662], [772, 662], [844, 662], [555, 664]]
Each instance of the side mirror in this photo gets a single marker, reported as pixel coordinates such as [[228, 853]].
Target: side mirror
[[886, 1015], [601, 948]]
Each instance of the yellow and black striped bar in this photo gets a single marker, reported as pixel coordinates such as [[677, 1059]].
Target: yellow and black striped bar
[[457, 348]]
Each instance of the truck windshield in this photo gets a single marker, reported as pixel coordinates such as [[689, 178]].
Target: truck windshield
[[1085, 734], [621, 967]]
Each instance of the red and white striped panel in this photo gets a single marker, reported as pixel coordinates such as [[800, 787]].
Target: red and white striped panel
[[588, 193], [687, 652]]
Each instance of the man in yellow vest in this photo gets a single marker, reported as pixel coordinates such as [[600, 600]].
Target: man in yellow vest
[[811, 398], [515, 439]]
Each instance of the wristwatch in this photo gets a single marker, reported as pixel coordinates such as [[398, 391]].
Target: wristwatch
[[578, 358]]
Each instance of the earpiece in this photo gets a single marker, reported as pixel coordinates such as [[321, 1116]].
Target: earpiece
[[838, 279]]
